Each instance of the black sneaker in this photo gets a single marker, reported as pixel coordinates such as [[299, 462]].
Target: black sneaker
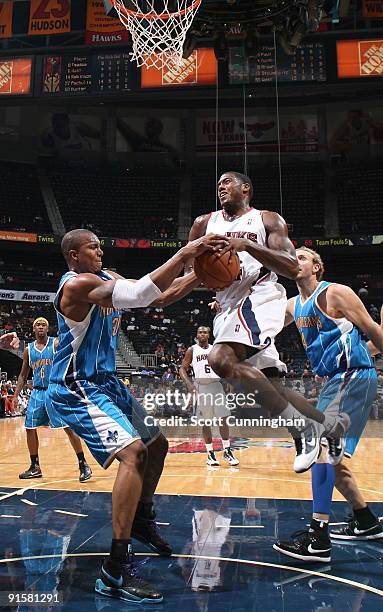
[[122, 582], [85, 472], [354, 531], [228, 455], [33, 471], [212, 459], [145, 530], [307, 546]]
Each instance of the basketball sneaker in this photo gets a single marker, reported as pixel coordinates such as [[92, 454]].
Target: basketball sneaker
[[85, 471], [123, 582], [33, 471], [306, 546], [211, 459], [354, 530], [308, 439], [229, 456], [336, 438], [307, 445], [145, 530]]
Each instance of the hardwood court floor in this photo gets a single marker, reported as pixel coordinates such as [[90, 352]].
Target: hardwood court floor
[[265, 469]]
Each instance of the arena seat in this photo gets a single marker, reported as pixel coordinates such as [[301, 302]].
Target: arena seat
[[22, 206], [359, 191], [125, 205]]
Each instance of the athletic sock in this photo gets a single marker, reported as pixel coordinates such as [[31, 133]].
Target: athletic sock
[[34, 460], [145, 510], [365, 516], [319, 527], [209, 447], [119, 551], [225, 444], [81, 457], [323, 481]]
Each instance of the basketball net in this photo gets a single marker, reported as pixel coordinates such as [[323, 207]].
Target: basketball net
[[158, 29]]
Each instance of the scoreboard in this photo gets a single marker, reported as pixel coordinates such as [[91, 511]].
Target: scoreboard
[[85, 73], [307, 64]]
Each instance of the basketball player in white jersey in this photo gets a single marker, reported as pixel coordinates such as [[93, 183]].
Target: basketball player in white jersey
[[252, 308], [210, 395]]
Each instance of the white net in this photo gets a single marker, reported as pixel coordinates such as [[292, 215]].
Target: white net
[[158, 29]]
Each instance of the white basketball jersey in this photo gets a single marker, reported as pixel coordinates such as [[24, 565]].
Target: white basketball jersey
[[200, 364], [250, 226], [210, 532]]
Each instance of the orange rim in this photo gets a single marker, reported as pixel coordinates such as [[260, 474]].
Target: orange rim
[[163, 16]]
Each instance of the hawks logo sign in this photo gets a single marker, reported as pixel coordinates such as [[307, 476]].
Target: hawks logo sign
[[371, 58]]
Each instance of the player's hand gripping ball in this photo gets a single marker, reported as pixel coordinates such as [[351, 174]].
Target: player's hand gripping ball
[[217, 271]]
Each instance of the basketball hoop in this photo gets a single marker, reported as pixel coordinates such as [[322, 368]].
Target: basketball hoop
[[158, 29]]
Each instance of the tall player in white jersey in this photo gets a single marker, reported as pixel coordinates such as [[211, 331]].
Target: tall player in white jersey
[[252, 309], [210, 395]]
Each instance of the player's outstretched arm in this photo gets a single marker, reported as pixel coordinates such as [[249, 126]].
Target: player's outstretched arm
[[22, 378], [197, 230], [179, 288], [183, 371], [279, 254], [346, 303], [9, 341], [121, 293]]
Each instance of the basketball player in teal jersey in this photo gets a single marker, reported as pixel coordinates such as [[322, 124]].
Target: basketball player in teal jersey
[[88, 396], [38, 357], [330, 319]]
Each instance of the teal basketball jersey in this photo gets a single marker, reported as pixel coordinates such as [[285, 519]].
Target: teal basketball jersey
[[332, 345], [41, 363], [86, 348]]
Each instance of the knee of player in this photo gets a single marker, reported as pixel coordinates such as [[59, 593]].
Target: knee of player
[[161, 445], [135, 454], [220, 362]]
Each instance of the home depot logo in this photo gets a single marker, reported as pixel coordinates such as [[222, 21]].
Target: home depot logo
[[371, 58], [178, 74], [6, 69]]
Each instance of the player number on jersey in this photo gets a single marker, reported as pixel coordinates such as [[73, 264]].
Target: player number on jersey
[[237, 327], [207, 369], [42, 373]]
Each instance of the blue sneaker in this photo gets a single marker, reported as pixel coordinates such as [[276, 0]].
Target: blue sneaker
[[122, 582]]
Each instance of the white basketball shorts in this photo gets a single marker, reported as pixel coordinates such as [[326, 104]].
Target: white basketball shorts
[[255, 322], [211, 400]]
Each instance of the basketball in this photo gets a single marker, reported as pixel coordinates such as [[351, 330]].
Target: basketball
[[217, 271]]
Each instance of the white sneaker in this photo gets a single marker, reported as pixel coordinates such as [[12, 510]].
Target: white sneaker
[[228, 455], [307, 445], [211, 459]]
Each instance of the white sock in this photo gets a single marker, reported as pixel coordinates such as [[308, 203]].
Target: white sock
[[209, 447], [225, 443]]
